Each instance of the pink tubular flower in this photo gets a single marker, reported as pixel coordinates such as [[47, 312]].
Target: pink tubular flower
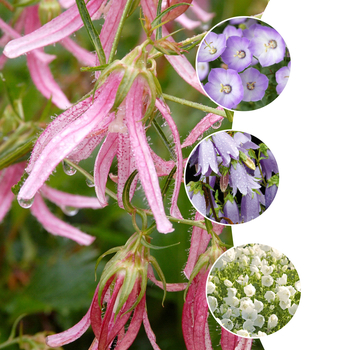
[[118, 299], [11, 175]]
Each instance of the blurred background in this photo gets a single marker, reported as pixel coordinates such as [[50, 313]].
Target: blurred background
[[51, 279]]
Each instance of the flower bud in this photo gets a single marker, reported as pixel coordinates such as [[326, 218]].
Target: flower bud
[[48, 10]]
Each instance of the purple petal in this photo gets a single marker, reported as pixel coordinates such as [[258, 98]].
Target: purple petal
[[202, 70], [232, 31], [66, 199], [254, 84], [57, 29], [57, 227], [270, 194], [143, 158], [226, 146], [282, 76], [198, 201], [237, 54], [242, 180], [207, 161], [65, 141], [164, 110], [212, 46], [208, 121], [250, 207], [269, 165], [231, 212]]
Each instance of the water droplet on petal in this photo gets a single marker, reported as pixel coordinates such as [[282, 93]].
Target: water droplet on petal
[[69, 170], [70, 211], [90, 183], [25, 203], [217, 125]]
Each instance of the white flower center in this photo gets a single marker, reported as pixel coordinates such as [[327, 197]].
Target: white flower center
[[251, 85], [272, 44], [240, 54], [212, 49]]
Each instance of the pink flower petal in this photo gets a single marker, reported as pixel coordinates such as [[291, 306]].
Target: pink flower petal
[[103, 164], [180, 63], [208, 121], [67, 199], [70, 334], [163, 167], [67, 3], [228, 340], [57, 227], [8, 177], [57, 29], [150, 334], [65, 141], [143, 158], [187, 22], [163, 109], [40, 72], [83, 56], [200, 13], [244, 344], [111, 24], [170, 287]]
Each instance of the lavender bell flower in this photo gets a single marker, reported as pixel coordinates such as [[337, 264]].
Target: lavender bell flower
[[269, 165], [242, 180], [226, 146], [254, 84], [198, 202], [231, 212], [250, 206], [237, 54], [232, 31], [225, 87], [202, 70], [243, 142], [207, 161], [270, 194], [267, 45], [211, 47], [282, 76]]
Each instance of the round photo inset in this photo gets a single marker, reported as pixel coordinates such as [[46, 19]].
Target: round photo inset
[[243, 64], [231, 177], [253, 290]]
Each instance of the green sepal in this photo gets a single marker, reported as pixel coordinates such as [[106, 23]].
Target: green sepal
[[163, 138], [252, 154], [126, 192], [160, 273], [273, 180], [203, 261], [110, 251], [14, 326], [16, 188], [94, 69], [128, 285], [229, 115], [208, 225], [125, 85], [94, 37], [151, 246], [263, 149], [133, 7], [168, 181]]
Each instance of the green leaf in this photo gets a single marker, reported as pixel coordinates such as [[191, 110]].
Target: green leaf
[[94, 37], [229, 115], [168, 181]]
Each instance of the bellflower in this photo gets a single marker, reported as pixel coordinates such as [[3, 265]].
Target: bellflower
[[242, 180], [237, 54], [269, 165], [250, 206], [202, 69], [224, 87], [254, 84], [207, 161], [267, 45], [211, 47], [232, 31], [282, 76], [231, 212], [226, 146]]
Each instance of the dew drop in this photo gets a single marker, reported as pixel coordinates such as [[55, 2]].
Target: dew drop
[[90, 183], [69, 170], [70, 211], [217, 125], [25, 203], [200, 137]]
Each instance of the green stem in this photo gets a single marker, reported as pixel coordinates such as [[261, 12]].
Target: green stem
[[195, 105], [261, 173], [119, 30]]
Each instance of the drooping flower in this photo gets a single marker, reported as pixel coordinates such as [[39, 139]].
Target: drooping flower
[[211, 47], [207, 161], [282, 76], [226, 146], [239, 178], [250, 206], [237, 54], [254, 84], [224, 87], [267, 45]]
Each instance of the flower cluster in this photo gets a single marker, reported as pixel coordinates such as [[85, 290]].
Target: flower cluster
[[243, 64], [232, 177], [253, 290]]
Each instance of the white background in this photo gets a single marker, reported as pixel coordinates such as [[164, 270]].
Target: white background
[[307, 129]]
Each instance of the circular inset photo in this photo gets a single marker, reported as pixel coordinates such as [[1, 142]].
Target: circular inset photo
[[231, 177], [253, 290], [243, 64]]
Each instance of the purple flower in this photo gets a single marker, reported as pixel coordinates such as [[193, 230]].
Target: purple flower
[[232, 31], [254, 84], [226, 146], [267, 45], [239, 178], [202, 70], [237, 54], [198, 202], [211, 47], [231, 212], [207, 161], [270, 194], [282, 76], [224, 87], [250, 206], [269, 165], [243, 142]]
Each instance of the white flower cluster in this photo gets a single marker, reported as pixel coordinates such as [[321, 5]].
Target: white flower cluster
[[253, 290]]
